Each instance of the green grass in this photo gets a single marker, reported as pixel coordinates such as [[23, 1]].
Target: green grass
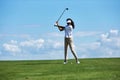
[[88, 69]]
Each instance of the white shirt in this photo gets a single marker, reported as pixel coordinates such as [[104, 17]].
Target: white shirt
[[68, 31]]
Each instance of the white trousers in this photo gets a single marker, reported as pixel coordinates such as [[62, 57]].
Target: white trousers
[[69, 42]]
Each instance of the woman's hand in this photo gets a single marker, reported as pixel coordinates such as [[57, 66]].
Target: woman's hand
[[56, 24]]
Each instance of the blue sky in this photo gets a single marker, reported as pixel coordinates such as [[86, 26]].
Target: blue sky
[[27, 31]]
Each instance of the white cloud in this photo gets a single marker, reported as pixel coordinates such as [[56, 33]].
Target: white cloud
[[17, 48], [111, 39], [111, 44], [33, 43], [57, 44], [86, 33], [32, 47], [55, 34], [13, 42], [114, 33], [54, 44], [108, 45], [12, 48]]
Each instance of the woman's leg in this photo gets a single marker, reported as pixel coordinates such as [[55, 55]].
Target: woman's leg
[[65, 49], [72, 49]]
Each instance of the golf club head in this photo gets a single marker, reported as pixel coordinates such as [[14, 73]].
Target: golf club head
[[66, 8]]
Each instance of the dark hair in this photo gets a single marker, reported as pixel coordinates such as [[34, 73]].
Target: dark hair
[[72, 22]]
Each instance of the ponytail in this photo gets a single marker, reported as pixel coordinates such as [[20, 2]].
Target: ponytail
[[72, 22]]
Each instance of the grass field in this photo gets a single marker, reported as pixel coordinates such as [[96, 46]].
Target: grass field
[[88, 69]]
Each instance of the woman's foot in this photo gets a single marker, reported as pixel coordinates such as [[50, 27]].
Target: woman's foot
[[65, 63], [78, 62]]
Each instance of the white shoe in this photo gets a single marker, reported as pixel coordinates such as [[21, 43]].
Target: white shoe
[[78, 62], [65, 63]]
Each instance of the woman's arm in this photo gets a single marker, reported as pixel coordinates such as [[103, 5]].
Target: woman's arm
[[61, 28]]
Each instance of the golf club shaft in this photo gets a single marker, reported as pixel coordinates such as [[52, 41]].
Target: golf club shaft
[[62, 14]]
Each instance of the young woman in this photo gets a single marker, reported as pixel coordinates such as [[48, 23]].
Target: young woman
[[68, 38]]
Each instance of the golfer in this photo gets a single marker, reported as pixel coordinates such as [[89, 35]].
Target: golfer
[[68, 41]]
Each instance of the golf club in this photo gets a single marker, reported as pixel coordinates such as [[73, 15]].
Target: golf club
[[62, 14]]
